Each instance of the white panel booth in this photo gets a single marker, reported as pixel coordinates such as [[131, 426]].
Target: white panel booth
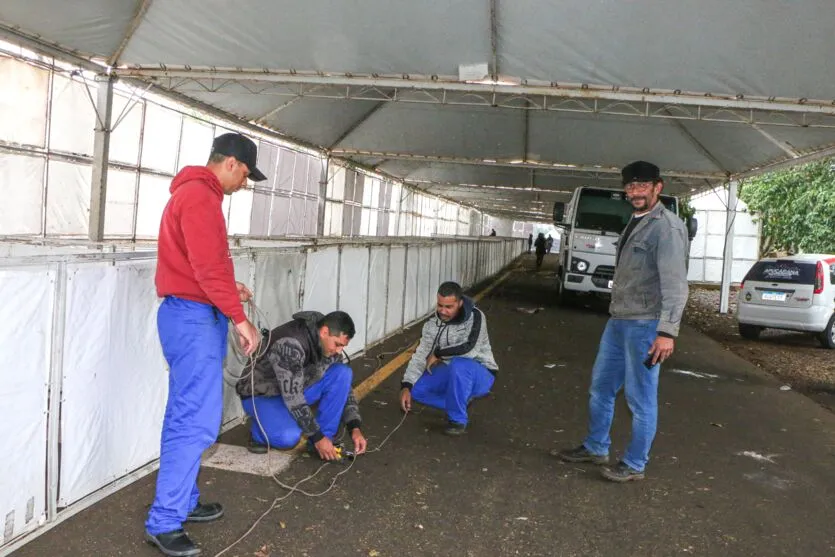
[[84, 382]]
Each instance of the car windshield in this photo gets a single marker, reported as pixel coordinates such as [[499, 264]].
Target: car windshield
[[788, 272], [608, 211]]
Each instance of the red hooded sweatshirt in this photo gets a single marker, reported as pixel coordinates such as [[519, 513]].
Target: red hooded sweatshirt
[[194, 262]]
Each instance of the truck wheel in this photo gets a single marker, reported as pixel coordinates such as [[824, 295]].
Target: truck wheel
[[751, 332], [827, 336]]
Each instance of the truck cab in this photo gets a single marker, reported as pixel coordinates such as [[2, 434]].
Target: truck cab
[[592, 222]]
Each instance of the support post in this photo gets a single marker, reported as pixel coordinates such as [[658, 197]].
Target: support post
[[323, 191], [101, 156], [728, 255]]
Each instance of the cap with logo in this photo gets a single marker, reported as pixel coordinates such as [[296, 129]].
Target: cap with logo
[[640, 171], [243, 149]]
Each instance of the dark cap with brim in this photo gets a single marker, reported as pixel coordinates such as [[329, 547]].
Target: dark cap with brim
[[243, 149], [640, 171]]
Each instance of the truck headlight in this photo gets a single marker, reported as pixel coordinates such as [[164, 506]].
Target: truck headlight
[[579, 265]]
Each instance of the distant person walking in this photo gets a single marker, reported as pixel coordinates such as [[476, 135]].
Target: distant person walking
[[540, 245]]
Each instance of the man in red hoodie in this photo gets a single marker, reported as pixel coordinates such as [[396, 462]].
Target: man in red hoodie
[[196, 277]]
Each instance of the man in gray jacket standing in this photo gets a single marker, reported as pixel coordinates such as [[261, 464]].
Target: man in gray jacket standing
[[453, 363], [648, 298]]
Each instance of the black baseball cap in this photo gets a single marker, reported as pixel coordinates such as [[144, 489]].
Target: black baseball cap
[[640, 171], [243, 149]]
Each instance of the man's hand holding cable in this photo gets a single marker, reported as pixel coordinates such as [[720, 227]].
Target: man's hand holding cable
[[661, 349], [244, 292], [360, 444], [325, 448], [249, 336], [405, 399]]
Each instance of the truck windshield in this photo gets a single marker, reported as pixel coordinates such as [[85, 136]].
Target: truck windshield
[[608, 210]]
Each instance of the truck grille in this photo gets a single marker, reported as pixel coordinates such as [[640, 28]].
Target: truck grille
[[602, 275]]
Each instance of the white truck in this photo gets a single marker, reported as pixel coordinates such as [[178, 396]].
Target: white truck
[[592, 223]]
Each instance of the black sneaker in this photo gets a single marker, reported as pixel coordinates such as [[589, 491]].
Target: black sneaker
[[173, 544], [622, 473], [255, 447], [580, 454], [454, 429], [205, 512]]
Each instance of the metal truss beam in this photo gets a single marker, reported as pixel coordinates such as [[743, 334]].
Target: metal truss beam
[[494, 41], [781, 165], [36, 44], [783, 146], [440, 89], [699, 146], [141, 10], [356, 125], [539, 166]]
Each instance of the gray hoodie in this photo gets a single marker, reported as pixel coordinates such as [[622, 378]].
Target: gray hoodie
[[465, 335]]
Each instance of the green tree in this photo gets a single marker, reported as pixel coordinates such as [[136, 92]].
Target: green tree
[[796, 207]]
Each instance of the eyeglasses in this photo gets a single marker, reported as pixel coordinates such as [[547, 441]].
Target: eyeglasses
[[631, 186]]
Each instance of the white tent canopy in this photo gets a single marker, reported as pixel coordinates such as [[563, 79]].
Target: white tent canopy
[[533, 98]]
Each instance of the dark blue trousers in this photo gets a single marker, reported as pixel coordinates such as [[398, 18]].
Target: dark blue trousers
[[452, 385], [331, 392], [193, 338]]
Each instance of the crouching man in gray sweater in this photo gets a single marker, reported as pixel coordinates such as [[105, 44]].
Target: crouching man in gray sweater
[[453, 363]]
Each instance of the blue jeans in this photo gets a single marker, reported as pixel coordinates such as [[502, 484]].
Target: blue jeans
[[193, 338], [331, 392], [623, 349], [452, 385]]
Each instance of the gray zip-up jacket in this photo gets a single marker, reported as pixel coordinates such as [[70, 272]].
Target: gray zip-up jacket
[[651, 273], [465, 335], [291, 363]]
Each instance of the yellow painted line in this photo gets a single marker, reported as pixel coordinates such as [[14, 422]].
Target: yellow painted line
[[373, 381]]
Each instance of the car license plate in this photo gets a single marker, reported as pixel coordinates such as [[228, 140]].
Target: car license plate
[[774, 296], [610, 284]]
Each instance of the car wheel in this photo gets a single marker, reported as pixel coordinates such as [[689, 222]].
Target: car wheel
[[751, 332], [827, 336]]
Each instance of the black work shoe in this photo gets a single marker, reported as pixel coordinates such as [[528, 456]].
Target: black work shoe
[[622, 473], [255, 447], [205, 512], [580, 454], [174, 544], [455, 429]]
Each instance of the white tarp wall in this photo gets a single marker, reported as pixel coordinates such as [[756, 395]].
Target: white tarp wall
[[86, 326], [708, 247], [26, 335], [46, 159]]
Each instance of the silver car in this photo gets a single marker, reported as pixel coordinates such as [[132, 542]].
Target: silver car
[[796, 293]]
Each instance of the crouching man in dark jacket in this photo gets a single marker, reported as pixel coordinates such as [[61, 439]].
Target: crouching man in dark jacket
[[453, 363], [301, 366]]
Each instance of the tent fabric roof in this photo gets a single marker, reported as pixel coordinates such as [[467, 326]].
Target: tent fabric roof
[[708, 90]]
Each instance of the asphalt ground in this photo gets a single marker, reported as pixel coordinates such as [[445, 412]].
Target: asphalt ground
[[739, 467]]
